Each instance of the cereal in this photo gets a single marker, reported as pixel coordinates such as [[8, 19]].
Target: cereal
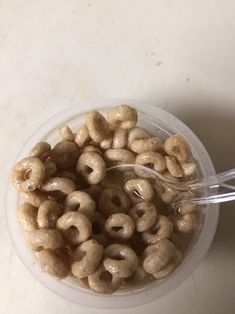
[[152, 144], [105, 232], [123, 117], [176, 146], [77, 220], [150, 158], [188, 168], [120, 138], [52, 263], [170, 267], [81, 202], [166, 193], [144, 214], [66, 133], [48, 213], [65, 155], [82, 137], [67, 175], [41, 150], [158, 256], [103, 281], [139, 190], [98, 127], [120, 260], [120, 155], [174, 167], [162, 229], [91, 148], [120, 226], [187, 208], [45, 239], [66, 186], [113, 200], [186, 223], [35, 198], [137, 134], [138, 275], [27, 216], [106, 143], [28, 174], [92, 167], [50, 168], [86, 258]]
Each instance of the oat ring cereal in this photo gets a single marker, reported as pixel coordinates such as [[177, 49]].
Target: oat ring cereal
[[144, 214], [41, 150], [97, 126], [119, 155], [81, 202], [120, 138], [174, 167], [91, 167], [27, 217], [186, 223], [28, 174], [107, 143], [67, 175], [45, 239], [162, 229], [51, 262], [155, 159], [50, 168], [86, 258], [152, 144], [82, 137], [137, 134], [65, 154], [158, 256], [35, 198], [113, 200], [91, 148], [171, 266], [66, 133], [123, 117], [48, 213], [139, 190], [120, 260], [78, 221], [120, 226], [64, 185], [103, 281], [176, 146]]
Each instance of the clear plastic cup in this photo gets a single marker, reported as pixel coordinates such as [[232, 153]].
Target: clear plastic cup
[[156, 121]]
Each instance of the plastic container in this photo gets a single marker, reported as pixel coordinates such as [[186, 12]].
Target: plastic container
[[157, 121]]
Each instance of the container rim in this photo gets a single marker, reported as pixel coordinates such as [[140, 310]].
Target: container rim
[[81, 296]]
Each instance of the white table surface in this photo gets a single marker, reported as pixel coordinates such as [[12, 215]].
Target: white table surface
[[176, 54]]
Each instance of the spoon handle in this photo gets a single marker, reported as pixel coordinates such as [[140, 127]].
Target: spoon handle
[[204, 200], [211, 182], [216, 180], [210, 186]]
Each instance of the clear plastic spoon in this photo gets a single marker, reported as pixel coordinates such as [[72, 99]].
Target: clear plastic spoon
[[209, 188]]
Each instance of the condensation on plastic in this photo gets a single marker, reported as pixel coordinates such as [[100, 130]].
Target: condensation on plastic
[[156, 121]]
